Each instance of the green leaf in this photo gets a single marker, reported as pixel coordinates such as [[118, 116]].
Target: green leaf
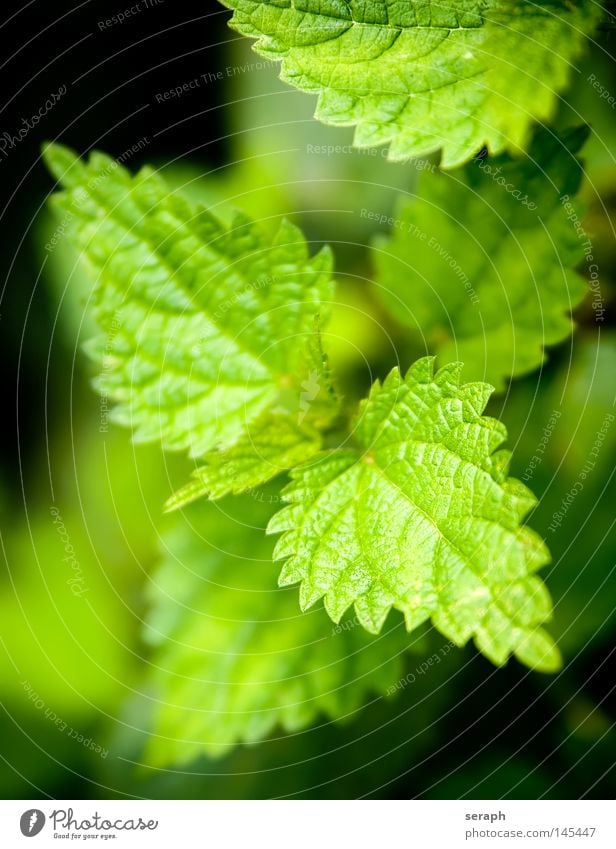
[[205, 327], [421, 517], [480, 263], [279, 440], [233, 657], [277, 444], [423, 76]]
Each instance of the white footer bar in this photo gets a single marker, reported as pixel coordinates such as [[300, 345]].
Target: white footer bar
[[309, 824]]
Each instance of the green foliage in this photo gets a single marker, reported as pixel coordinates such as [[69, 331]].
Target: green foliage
[[71, 563], [277, 441], [210, 342], [422, 76], [422, 517], [234, 659], [481, 262], [205, 328]]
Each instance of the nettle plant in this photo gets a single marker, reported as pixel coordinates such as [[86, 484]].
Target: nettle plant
[[211, 344]]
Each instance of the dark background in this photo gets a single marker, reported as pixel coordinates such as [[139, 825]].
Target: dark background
[[112, 78]]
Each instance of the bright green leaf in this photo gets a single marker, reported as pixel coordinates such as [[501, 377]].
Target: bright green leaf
[[205, 327], [423, 76], [277, 444], [421, 516], [279, 440]]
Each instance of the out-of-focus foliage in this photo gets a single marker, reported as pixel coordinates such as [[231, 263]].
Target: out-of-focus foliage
[[480, 262], [73, 567], [70, 598], [565, 451], [235, 658]]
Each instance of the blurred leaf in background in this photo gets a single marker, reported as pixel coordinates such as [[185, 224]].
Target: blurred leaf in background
[[234, 657], [566, 424]]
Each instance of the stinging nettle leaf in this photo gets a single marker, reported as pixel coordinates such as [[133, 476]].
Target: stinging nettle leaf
[[205, 328], [421, 75], [282, 438], [422, 517], [278, 443], [481, 262]]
